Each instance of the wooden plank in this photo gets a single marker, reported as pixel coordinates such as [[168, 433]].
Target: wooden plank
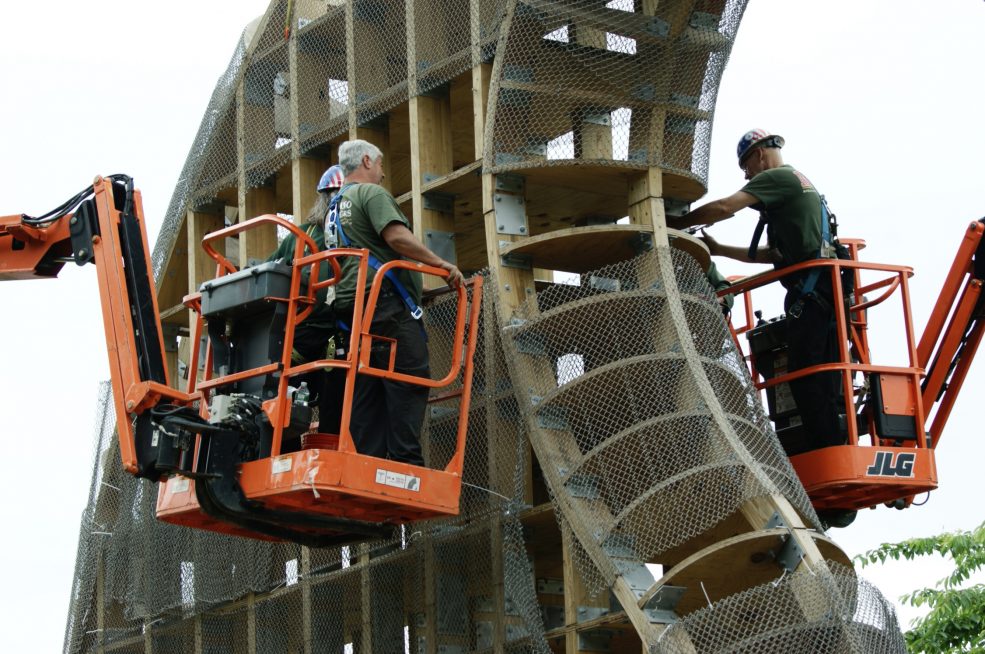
[[480, 99], [201, 267], [581, 249], [431, 157], [577, 600], [306, 172], [174, 280], [460, 98], [257, 244]]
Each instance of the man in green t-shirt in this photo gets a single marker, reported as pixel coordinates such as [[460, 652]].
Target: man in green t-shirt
[[386, 415], [790, 208]]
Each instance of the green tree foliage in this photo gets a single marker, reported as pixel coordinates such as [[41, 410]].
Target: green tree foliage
[[956, 621]]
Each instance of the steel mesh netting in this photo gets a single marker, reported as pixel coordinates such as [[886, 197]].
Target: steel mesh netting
[[266, 113], [211, 163], [609, 82], [380, 57], [180, 589], [625, 435], [322, 74], [809, 611], [442, 41]]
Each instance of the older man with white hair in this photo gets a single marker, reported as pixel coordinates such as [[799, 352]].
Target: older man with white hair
[[386, 415]]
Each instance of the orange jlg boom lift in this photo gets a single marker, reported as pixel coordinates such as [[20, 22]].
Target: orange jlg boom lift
[[893, 417], [234, 452]]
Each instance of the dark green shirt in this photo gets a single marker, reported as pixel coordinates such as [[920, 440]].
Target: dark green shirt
[[793, 207], [718, 282], [365, 210], [323, 314]]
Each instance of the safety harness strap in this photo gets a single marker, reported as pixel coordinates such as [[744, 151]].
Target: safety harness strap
[[334, 235]]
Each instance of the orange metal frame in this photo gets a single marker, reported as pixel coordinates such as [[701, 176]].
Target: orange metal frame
[[131, 395], [335, 482], [332, 482], [857, 475]]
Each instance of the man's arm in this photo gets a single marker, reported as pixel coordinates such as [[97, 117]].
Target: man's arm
[[403, 241], [714, 211], [736, 252]]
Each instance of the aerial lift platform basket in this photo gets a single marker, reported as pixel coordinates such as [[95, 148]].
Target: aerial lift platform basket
[[234, 451], [902, 409]]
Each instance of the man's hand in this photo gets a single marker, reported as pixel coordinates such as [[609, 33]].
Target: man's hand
[[713, 248], [455, 276]]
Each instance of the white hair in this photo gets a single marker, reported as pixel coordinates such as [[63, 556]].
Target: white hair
[[351, 154]]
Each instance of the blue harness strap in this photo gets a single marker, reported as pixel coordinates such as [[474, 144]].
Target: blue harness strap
[[815, 273], [334, 235]]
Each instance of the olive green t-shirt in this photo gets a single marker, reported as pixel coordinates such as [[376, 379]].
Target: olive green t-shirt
[[365, 210], [322, 314], [793, 208]]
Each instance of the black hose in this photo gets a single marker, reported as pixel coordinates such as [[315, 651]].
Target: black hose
[[69, 205]]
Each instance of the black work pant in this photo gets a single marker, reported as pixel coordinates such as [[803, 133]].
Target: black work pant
[[813, 339], [387, 416], [311, 343]]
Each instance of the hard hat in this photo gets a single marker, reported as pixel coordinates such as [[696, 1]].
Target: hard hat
[[757, 138], [332, 179]]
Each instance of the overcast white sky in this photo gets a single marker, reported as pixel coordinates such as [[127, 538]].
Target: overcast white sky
[[878, 101]]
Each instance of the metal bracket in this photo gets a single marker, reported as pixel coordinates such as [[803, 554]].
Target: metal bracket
[[439, 412], [619, 545], [589, 613], [636, 574], [702, 20], [483, 635], [642, 242], [675, 207], [596, 640], [644, 92], [517, 260], [550, 586], [528, 342], [657, 27], [441, 243], [516, 631], [441, 202], [597, 118], [790, 554], [681, 125], [604, 283], [510, 183], [583, 486], [690, 101], [511, 216], [659, 609], [553, 616], [553, 417]]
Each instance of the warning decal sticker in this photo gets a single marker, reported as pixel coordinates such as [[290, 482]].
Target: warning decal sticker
[[398, 480]]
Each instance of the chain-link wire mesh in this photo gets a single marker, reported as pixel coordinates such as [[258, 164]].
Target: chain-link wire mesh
[[612, 83], [322, 74], [819, 612], [624, 430], [380, 57], [211, 165], [648, 430], [173, 587]]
